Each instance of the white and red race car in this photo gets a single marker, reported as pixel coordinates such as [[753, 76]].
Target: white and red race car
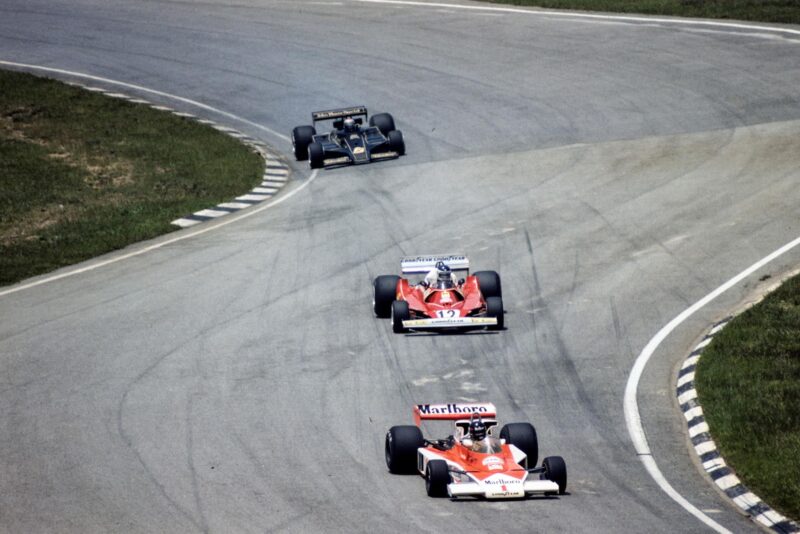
[[463, 466]]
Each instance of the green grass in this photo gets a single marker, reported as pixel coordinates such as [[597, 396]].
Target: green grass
[[82, 174], [785, 11], [748, 381]]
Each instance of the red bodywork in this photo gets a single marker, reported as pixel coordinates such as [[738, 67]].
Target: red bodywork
[[483, 465], [463, 300]]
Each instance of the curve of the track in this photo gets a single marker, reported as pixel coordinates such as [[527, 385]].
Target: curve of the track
[[614, 173]]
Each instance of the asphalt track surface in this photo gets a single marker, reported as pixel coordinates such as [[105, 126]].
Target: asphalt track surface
[[613, 172]]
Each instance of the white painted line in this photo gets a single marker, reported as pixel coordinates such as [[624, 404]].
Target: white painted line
[[183, 223], [705, 447], [184, 114], [211, 213], [276, 172], [273, 183], [143, 101], [152, 92], [265, 190], [234, 205], [589, 16], [685, 379], [698, 429], [633, 418], [162, 108], [118, 95]]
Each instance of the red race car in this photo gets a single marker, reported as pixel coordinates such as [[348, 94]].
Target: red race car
[[472, 462], [441, 300]]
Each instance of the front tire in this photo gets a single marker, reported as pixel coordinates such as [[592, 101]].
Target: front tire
[[302, 136], [383, 121], [523, 437], [555, 469], [489, 284], [400, 313], [316, 156], [383, 294], [396, 142], [494, 308], [401, 447], [437, 477]]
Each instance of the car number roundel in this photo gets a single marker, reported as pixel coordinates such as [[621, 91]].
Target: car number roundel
[[447, 314]]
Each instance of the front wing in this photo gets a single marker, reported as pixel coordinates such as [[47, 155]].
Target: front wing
[[445, 323], [504, 491]]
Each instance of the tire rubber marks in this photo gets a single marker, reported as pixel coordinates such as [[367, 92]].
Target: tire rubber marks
[[703, 444]]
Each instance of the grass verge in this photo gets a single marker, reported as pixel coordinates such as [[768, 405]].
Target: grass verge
[[82, 174], [748, 381], [781, 11]]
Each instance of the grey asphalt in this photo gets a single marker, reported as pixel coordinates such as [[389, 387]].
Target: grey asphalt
[[613, 173]]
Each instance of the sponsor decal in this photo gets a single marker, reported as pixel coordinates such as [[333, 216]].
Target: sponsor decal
[[358, 149], [493, 463], [354, 136], [501, 482], [384, 155], [434, 259], [426, 409], [336, 113]]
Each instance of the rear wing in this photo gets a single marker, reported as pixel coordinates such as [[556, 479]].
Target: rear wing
[[453, 411], [332, 114], [423, 264]]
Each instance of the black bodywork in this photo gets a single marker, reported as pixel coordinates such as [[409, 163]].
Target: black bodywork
[[364, 144]]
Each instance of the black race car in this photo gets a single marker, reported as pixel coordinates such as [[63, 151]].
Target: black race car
[[349, 142]]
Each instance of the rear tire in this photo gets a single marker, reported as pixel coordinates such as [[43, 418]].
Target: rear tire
[[437, 477], [316, 156], [523, 437], [383, 294], [555, 469], [494, 308], [489, 284], [383, 121], [396, 142], [302, 136], [400, 313], [401, 447]]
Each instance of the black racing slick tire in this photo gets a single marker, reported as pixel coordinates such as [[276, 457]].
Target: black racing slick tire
[[402, 443], [383, 121], [383, 294], [494, 308], [302, 136], [437, 477], [555, 469], [400, 313], [396, 142], [523, 437], [489, 284], [316, 156]]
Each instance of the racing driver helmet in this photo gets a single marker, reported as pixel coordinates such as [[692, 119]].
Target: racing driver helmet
[[445, 276], [349, 125], [477, 429]]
